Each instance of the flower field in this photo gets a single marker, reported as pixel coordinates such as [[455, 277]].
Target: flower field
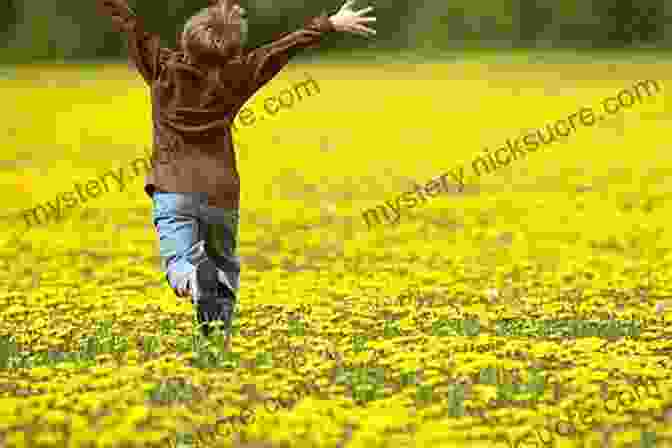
[[519, 312]]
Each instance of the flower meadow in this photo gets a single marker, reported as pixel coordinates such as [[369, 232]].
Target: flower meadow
[[499, 315]]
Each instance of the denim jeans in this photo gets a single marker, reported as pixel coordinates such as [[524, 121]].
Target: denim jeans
[[198, 245]]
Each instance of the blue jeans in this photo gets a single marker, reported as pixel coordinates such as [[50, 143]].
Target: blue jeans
[[198, 246]]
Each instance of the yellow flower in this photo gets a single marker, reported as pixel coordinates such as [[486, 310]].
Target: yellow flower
[[16, 439], [50, 439]]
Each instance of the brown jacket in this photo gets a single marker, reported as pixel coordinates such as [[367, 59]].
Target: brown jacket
[[192, 112]]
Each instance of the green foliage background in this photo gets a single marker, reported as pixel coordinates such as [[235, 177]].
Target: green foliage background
[[74, 29]]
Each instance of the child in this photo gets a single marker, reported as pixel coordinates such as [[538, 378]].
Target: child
[[196, 92]]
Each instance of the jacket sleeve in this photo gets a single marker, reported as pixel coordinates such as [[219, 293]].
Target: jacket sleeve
[[144, 48], [145, 51], [267, 61]]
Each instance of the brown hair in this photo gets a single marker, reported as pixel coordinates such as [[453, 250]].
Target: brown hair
[[210, 36]]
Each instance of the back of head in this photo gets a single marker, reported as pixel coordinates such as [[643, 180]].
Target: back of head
[[215, 33]]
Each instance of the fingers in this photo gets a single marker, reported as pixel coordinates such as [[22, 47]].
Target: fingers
[[362, 30], [361, 12], [115, 5], [347, 5], [183, 290], [113, 9]]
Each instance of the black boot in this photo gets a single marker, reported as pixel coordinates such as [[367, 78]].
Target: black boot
[[214, 301], [211, 311]]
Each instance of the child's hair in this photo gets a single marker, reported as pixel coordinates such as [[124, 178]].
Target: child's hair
[[210, 36]]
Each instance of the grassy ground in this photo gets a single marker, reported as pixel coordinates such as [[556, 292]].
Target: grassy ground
[[519, 310]]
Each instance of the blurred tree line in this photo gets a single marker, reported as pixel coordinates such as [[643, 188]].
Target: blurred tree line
[[73, 29]]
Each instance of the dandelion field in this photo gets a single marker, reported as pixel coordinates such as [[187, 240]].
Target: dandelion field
[[518, 313]]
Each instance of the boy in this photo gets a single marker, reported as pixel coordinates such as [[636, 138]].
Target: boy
[[196, 92]]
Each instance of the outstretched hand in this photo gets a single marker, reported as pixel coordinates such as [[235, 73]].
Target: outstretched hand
[[348, 20]]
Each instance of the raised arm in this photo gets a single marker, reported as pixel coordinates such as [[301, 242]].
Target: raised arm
[[270, 59], [144, 48]]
